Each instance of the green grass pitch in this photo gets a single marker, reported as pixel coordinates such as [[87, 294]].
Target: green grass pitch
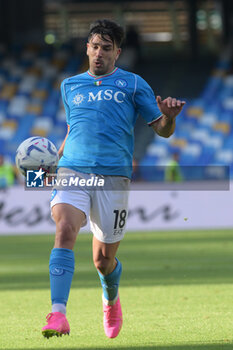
[[176, 293]]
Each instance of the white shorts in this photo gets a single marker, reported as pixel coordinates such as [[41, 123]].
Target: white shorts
[[106, 207]]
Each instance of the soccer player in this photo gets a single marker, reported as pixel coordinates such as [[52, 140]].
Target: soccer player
[[101, 107]]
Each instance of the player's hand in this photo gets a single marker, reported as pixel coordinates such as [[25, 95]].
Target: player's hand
[[170, 107]]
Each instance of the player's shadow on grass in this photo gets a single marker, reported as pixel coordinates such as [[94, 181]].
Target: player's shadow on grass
[[141, 347], [89, 279], [179, 260]]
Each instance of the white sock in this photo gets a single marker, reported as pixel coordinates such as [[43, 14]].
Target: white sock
[[59, 308]]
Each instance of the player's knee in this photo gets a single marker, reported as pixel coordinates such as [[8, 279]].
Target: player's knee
[[65, 234]]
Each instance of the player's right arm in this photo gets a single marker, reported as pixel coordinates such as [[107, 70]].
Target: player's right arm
[[61, 149]]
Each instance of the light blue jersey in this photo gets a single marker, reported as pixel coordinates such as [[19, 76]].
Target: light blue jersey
[[101, 112]]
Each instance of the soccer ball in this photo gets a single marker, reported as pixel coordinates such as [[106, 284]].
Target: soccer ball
[[35, 153]]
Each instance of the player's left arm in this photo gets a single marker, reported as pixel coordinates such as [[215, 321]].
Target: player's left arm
[[170, 108]]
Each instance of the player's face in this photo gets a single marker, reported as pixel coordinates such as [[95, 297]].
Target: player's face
[[102, 55]]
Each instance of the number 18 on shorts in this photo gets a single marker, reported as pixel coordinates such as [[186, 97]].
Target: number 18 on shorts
[[108, 215]]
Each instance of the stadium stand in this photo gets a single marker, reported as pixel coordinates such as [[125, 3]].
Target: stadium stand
[[30, 104], [203, 133]]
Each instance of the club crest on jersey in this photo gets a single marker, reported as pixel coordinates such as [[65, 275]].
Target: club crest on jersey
[[121, 83], [98, 83], [78, 99]]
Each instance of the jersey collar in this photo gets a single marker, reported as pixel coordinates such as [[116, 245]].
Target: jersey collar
[[102, 76]]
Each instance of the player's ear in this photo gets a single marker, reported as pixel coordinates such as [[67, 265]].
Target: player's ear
[[87, 52], [118, 53]]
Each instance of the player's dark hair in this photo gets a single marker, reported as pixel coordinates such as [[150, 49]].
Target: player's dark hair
[[107, 29]]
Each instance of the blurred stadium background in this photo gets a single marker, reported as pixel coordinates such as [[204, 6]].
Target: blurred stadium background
[[182, 48], [177, 266]]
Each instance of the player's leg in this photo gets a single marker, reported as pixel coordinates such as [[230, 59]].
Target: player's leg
[[68, 221], [108, 218], [109, 269]]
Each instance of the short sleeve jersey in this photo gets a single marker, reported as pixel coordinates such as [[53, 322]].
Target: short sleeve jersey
[[101, 112]]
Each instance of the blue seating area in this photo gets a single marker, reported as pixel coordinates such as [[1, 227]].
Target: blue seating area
[[204, 131], [30, 104], [30, 100]]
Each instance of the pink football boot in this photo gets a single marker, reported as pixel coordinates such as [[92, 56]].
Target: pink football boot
[[112, 319], [57, 324]]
